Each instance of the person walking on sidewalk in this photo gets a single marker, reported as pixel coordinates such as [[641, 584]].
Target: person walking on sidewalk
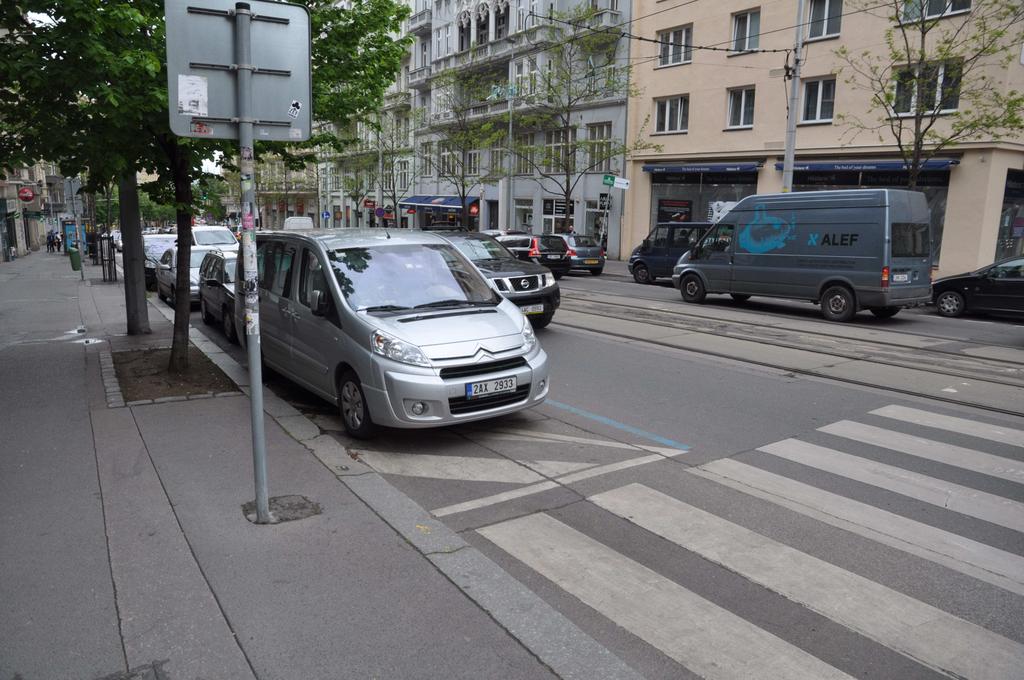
[[60, 243], [49, 241]]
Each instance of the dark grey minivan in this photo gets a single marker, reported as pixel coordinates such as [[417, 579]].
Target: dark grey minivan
[[397, 327], [847, 250]]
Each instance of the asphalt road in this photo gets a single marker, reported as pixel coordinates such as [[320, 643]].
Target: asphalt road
[[722, 515]]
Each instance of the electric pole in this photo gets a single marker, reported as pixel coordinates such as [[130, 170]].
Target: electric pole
[[793, 75]]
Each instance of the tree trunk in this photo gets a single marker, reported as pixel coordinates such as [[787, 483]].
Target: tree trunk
[[133, 256], [183, 256]]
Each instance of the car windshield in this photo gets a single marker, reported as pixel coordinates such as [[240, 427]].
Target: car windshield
[[213, 237], [406, 276], [584, 242], [478, 249], [155, 247]]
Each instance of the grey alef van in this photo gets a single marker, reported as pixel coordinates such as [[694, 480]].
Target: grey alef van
[[847, 250], [398, 328]]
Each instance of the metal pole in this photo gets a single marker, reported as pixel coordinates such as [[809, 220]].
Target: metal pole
[[794, 100], [243, 58], [79, 230], [510, 211]]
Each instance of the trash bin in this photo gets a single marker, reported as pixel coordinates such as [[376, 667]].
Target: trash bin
[[76, 259]]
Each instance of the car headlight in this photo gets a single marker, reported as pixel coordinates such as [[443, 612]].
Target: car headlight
[[547, 280], [529, 337], [396, 350]]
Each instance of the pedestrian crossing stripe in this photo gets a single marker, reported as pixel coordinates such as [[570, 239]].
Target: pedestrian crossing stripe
[[939, 452], [918, 630], [955, 497], [969, 557], [700, 635], [996, 433]]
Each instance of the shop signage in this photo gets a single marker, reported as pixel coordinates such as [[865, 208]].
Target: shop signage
[[369, 203], [674, 210], [26, 194]]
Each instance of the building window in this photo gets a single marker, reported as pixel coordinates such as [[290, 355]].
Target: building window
[[403, 175], [913, 9], [524, 77], [939, 83], [741, 108], [746, 30], [600, 152], [558, 149], [501, 23], [825, 18], [676, 46], [524, 154], [427, 159], [672, 114], [472, 162], [446, 163], [819, 100], [498, 160]]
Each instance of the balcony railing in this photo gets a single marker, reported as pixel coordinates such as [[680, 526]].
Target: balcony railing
[[420, 76], [420, 22]]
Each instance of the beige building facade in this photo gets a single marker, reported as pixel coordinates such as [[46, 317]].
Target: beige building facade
[[719, 120]]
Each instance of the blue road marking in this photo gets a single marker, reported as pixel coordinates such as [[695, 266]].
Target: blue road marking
[[621, 426]]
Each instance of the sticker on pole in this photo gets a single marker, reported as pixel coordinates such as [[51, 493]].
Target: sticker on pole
[[247, 222], [293, 110], [252, 323], [193, 95]]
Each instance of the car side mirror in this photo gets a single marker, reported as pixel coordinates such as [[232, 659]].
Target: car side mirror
[[645, 245], [318, 303]]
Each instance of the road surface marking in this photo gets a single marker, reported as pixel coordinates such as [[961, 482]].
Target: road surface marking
[[464, 468], [977, 560], [710, 641], [940, 452], [996, 433], [920, 631], [552, 437], [656, 438], [494, 500], [554, 468], [538, 488], [962, 499], [997, 353]]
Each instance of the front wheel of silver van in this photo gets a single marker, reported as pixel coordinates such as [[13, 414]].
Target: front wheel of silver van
[[950, 303], [692, 288], [837, 304], [355, 414]]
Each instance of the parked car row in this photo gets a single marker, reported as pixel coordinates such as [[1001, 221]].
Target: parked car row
[[846, 251]]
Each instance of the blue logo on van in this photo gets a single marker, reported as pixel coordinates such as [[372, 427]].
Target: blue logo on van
[[765, 232]]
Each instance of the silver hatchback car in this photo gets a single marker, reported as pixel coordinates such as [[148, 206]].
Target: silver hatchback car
[[397, 328]]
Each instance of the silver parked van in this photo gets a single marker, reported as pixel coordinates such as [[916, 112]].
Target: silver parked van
[[847, 250], [397, 328]]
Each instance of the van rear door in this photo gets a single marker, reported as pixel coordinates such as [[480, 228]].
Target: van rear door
[[910, 262]]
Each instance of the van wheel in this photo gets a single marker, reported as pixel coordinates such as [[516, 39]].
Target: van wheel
[[950, 303], [355, 413], [885, 312], [838, 304], [740, 297], [641, 274], [692, 288], [227, 322]]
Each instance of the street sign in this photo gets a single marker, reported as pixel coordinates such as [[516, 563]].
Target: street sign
[[379, 212], [26, 194], [621, 183], [201, 70], [608, 180], [325, 215]]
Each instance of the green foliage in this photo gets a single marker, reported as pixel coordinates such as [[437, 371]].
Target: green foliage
[[939, 81]]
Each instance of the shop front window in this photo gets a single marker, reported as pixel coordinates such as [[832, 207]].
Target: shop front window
[[1010, 239]]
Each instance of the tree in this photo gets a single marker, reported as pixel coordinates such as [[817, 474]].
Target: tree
[[576, 70], [937, 82], [392, 134], [464, 132], [88, 89]]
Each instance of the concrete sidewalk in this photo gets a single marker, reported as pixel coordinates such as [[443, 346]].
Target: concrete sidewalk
[[127, 554]]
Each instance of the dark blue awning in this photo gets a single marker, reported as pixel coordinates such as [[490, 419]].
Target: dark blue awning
[[860, 166], [706, 167], [436, 201]]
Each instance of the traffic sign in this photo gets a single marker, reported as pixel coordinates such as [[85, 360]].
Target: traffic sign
[[26, 194], [379, 212], [201, 70], [621, 183], [325, 215]]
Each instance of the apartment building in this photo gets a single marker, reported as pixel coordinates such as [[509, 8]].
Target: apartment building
[[719, 116], [502, 43], [24, 224]]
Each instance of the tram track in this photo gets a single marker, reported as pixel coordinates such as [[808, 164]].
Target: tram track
[[990, 384]]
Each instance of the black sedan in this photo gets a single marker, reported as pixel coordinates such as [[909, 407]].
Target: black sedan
[[995, 289]]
